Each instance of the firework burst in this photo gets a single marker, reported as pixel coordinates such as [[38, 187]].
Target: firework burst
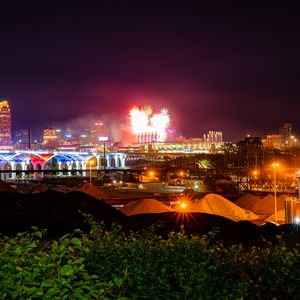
[[149, 126]]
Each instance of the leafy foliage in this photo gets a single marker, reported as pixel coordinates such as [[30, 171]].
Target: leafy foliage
[[33, 269], [109, 264]]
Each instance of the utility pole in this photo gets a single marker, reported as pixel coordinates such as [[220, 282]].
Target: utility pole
[[29, 138]]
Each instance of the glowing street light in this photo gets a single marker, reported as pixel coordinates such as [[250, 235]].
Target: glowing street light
[[254, 173], [183, 205], [181, 174], [254, 179], [91, 163], [275, 165]]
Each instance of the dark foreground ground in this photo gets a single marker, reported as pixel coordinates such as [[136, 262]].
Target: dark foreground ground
[[61, 213]]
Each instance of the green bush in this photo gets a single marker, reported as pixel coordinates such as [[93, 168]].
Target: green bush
[[111, 264], [32, 269]]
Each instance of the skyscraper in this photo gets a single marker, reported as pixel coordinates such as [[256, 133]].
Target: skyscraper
[[50, 139], [5, 124], [286, 133], [23, 138], [98, 129]]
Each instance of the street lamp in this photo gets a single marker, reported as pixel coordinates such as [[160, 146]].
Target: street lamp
[[275, 165], [91, 163], [181, 176], [255, 179], [151, 176]]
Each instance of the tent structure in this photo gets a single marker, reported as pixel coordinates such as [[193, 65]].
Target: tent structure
[[94, 191], [144, 206], [5, 187], [218, 205]]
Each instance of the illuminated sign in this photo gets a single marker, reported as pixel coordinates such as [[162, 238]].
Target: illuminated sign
[[103, 138]]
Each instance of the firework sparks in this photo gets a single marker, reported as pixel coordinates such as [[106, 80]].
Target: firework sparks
[[149, 126]]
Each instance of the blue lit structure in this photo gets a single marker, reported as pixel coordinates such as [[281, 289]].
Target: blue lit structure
[[45, 160]]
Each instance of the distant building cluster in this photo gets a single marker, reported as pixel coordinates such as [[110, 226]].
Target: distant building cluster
[[150, 131], [74, 138], [284, 139], [62, 139], [54, 138]]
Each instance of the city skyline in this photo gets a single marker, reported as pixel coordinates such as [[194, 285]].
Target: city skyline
[[144, 125], [118, 131], [147, 129], [219, 66]]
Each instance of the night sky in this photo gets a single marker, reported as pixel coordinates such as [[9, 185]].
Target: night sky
[[232, 66]]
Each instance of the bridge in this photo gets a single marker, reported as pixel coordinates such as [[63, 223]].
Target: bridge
[[13, 162]]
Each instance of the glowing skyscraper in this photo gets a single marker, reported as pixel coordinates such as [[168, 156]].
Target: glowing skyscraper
[[5, 124]]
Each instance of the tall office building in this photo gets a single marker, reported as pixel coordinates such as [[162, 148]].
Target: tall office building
[[50, 139], [287, 138], [23, 139], [5, 124], [97, 130]]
